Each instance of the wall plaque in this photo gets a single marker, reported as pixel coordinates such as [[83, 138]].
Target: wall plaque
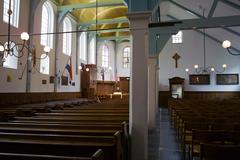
[[199, 79], [64, 80], [227, 79]]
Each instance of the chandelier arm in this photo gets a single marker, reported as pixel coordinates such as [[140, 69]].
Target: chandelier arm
[[220, 71], [230, 52], [22, 47], [20, 52], [197, 70]]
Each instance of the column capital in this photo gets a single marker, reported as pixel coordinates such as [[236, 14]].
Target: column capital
[[139, 20]]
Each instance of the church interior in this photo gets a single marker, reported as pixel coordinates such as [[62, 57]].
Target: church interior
[[119, 79]]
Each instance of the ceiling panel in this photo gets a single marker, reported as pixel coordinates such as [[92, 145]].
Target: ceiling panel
[[223, 10]]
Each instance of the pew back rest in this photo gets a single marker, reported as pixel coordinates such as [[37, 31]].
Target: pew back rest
[[219, 152]]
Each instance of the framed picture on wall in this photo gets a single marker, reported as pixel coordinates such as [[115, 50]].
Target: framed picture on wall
[[227, 79], [199, 79], [64, 80]]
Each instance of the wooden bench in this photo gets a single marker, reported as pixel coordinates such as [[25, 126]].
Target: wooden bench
[[89, 111], [80, 114], [73, 119], [219, 152], [98, 155], [72, 124], [61, 145]]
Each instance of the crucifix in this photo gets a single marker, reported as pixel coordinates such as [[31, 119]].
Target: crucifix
[[176, 57]]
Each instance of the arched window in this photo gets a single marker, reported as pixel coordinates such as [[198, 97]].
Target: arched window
[[126, 57], [92, 51], [11, 61], [105, 56], [15, 4], [83, 45], [47, 25], [44, 64], [67, 37], [177, 38]]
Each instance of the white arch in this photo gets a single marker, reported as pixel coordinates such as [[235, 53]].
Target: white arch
[[44, 64]]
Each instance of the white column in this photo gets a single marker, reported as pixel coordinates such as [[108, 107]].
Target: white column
[[139, 85], [152, 93], [157, 89]]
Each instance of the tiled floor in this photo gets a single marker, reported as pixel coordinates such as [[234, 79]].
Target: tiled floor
[[162, 141]]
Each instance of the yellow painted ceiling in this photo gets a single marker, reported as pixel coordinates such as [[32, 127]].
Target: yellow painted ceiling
[[88, 14], [100, 13]]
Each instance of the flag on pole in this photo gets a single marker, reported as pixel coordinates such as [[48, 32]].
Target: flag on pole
[[69, 69]]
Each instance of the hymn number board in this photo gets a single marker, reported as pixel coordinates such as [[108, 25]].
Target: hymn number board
[[199, 79]]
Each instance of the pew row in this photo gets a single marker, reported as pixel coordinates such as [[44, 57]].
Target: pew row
[[98, 155], [61, 145]]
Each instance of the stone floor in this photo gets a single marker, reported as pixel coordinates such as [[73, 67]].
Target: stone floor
[[163, 144]]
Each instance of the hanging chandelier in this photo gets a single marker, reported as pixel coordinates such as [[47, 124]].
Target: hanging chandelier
[[10, 48], [206, 69], [227, 45]]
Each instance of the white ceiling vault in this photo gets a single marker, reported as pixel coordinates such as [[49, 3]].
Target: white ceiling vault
[[172, 10]]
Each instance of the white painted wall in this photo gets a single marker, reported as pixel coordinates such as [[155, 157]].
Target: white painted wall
[[15, 85], [191, 52], [122, 72], [36, 79]]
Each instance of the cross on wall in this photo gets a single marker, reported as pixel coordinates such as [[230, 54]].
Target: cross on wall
[[176, 57]]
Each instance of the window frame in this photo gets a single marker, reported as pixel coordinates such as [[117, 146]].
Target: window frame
[[47, 40], [177, 38], [45, 60], [13, 59], [83, 46], [126, 64], [105, 56], [15, 7], [67, 37], [92, 51]]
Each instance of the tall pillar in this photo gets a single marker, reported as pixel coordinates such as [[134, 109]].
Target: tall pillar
[[157, 89], [152, 92], [33, 6], [60, 16], [57, 51], [139, 85]]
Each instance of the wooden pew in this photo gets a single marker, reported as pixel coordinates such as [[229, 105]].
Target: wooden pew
[[89, 111], [219, 152], [70, 114], [98, 155], [80, 114], [61, 145], [73, 119]]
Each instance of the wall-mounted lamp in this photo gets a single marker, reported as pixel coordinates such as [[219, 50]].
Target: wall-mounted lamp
[[11, 48]]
